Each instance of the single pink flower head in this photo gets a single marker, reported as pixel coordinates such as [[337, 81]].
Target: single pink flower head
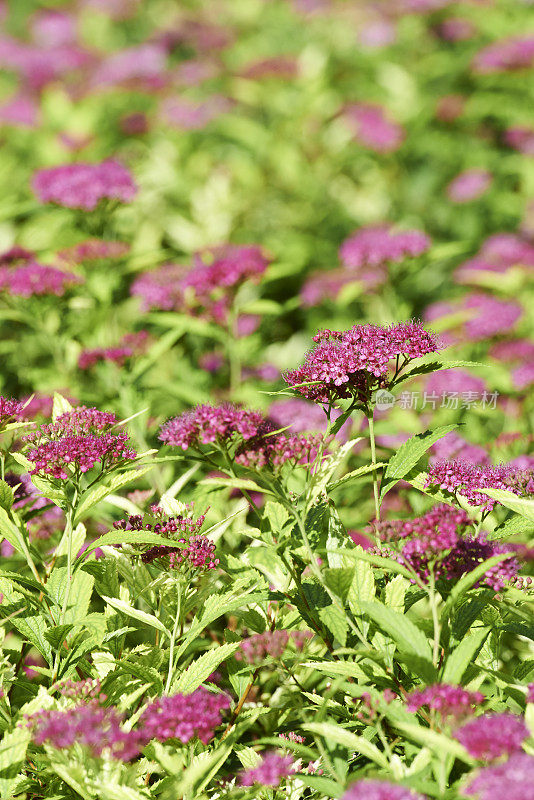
[[76, 442], [505, 55], [182, 717], [513, 780], [273, 768], [521, 138], [493, 735], [372, 128], [32, 279], [452, 703], [10, 411], [84, 185], [352, 363], [20, 111], [380, 790], [469, 185]]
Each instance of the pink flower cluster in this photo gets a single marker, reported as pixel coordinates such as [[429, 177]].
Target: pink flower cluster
[[131, 344], [459, 477], [10, 411], [469, 185], [100, 728], [372, 128], [453, 703], [381, 244], [94, 250], [183, 717], [271, 644], [84, 185], [273, 768], [196, 551], [208, 287], [498, 254], [348, 363], [506, 55], [77, 441], [488, 316], [257, 443], [28, 279], [188, 115], [437, 543], [513, 780], [91, 725], [493, 735], [380, 790], [521, 138], [210, 425]]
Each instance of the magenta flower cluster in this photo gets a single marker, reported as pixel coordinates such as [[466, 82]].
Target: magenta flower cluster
[[130, 345], [372, 128], [438, 543], [380, 790], [513, 780], [381, 244], [208, 287], [352, 363], [255, 438], [508, 54], [493, 735], [452, 703], [273, 768], [196, 551], [84, 185], [258, 647], [91, 725], [94, 250], [462, 478], [183, 717], [29, 279], [100, 728], [10, 411], [77, 441]]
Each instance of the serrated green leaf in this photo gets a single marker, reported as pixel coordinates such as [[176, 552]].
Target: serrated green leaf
[[362, 588], [235, 483], [277, 515], [395, 592], [60, 406], [200, 669], [411, 451], [339, 735], [339, 580], [12, 756], [135, 613], [468, 580], [93, 496], [356, 473], [515, 526], [435, 741], [463, 655], [33, 629], [6, 496], [435, 364], [407, 636], [336, 622], [129, 537], [521, 505]]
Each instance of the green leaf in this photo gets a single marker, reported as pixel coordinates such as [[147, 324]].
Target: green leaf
[[362, 588], [135, 613], [12, 756], [98, 493], [60, 406], [468, 580], [6, 496], [356, 473], [328, 466], [339, 580], [129, 537], [277, 515], [336, 622], [521, 505], [515, 526], [200, 669], [236, 483], [411, 452], [435, 364], [339, 735], [394, 593], [407, 636], [437, 742], [463, 655], [10, 531], [324, 786], [33, 629]]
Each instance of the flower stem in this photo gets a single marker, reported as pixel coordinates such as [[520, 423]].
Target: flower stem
[[435, 619], [373, 462], [173, 636]]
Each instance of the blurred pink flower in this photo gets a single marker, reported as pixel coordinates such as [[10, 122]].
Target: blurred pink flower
[[372, 128], [469, 185]]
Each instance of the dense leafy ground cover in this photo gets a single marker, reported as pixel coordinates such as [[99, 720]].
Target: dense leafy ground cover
[[266, 314]]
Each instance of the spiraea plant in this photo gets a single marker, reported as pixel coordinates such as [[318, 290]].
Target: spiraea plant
[[266, 360]]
